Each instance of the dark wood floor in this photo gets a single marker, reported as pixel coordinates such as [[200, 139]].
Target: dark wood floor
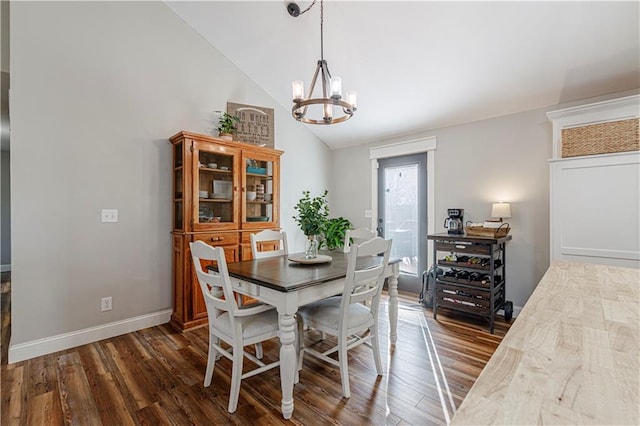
[[154, 377]]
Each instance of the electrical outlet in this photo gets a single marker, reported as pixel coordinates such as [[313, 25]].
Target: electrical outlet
[[106, 303], [109, 215], [367, 213]]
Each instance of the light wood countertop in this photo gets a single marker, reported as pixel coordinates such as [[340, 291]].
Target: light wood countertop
[[571, 357]]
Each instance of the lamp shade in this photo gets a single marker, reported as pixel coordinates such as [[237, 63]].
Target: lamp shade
[[501, 210]]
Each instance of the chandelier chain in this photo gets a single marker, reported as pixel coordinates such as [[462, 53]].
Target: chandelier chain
[[321, 30]]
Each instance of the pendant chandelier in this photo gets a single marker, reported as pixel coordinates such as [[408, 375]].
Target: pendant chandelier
[[320, 110]]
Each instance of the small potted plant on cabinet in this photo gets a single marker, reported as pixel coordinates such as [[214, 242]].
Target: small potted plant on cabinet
[[227, 125]]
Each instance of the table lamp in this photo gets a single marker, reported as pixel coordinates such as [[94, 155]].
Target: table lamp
[[501, 210]]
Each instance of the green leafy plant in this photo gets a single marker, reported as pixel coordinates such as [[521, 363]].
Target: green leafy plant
[[312, 213], [227, 122], [334, 232]]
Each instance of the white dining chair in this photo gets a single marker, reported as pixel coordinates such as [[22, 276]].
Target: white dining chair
[[357, 236], [345, 316], [269, 235], [237, 327]]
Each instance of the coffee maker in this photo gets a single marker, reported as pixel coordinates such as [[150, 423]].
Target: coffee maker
[[454, 222]]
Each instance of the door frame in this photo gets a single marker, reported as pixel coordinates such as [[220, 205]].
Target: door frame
[[414, 146]]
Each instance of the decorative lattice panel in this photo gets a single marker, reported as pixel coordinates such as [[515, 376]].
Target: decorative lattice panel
[[603, 138]]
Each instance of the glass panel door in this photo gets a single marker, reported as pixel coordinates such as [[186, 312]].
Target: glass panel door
[[178, 184], [215, 187], [259, 200], [402, 214]]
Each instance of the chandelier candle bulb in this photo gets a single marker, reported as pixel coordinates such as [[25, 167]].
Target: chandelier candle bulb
[[298, 90], [328, 112], [352, 99], [336, 87]]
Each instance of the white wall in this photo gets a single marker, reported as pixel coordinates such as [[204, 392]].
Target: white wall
[[97, 89], [5, 197], [476, 164], [5, 212], [4, 40]]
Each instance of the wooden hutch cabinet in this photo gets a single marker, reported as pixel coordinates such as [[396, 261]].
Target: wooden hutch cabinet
[[222, 192]]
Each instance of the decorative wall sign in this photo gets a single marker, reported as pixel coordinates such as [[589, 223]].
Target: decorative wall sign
[[256, 124]]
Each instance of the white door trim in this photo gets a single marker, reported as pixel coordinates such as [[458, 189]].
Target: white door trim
[[415, 146]]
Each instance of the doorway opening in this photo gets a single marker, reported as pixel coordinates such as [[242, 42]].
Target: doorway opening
[[402, 206]]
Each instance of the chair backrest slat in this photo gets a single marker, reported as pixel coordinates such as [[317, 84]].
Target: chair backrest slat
[[365, 284], [215, 286], [357, 236], [269, 235]]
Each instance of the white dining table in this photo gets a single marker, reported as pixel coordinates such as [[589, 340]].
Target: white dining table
[[288, 285]]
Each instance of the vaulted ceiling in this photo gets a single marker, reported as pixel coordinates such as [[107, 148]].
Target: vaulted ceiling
[[420, 65]]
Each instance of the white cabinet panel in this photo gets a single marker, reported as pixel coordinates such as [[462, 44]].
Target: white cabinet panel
[[595, 209]]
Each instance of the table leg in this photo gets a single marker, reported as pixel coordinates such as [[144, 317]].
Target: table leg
[[393, 304], [288, 361]]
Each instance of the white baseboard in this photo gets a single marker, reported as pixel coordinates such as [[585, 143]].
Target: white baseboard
[[5, 268], [47, 345]]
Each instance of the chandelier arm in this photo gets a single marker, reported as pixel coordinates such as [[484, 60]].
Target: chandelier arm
[[314, 79], [324, 78], [326, 67], [311, 87]]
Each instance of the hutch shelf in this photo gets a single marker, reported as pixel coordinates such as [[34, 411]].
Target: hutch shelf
[[222, 192]]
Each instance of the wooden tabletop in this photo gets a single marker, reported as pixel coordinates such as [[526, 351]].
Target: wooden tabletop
[[281, 274], [571, 357]]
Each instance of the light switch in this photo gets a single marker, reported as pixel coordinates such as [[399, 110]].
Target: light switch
[[109, 215]]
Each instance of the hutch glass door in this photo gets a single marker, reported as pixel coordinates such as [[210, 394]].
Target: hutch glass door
[[259, 196], [215, 187]]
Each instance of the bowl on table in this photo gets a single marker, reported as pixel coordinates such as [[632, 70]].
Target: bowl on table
[[251, 195]]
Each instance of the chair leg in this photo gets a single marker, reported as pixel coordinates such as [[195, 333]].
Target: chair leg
[[344, 366], [211, 361], [375, 346], [259, 350], [300, 340], [236, 376]]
